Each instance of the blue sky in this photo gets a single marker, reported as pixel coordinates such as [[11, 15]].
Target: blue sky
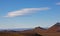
[[29, 13]]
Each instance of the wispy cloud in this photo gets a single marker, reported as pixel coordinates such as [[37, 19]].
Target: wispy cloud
[[24, 11], [58, 3]]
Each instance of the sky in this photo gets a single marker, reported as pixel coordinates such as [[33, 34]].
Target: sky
[[29, 13]]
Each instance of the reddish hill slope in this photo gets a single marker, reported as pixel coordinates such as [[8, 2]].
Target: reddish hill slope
[[54, 28]]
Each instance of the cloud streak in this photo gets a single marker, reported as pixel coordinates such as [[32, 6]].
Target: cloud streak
[[25, 11], [58, 3]]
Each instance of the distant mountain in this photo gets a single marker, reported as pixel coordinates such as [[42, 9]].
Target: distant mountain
[[37, 31], [15, 29], [21, 29]]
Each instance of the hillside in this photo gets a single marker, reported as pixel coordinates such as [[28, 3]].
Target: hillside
[[38, 31]]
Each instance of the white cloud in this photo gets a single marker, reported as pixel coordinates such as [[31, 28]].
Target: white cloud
[[24, 11], [58, 3]]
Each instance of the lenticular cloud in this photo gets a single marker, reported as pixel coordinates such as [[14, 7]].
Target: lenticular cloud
[[24, 11]]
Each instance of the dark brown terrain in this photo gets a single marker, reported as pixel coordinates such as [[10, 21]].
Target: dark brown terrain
[[38, 31]]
